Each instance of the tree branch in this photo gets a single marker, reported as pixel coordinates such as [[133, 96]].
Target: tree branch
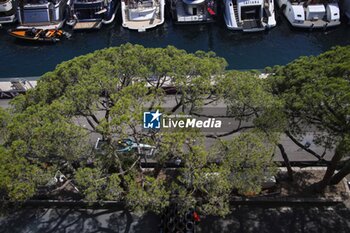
[[90, 123], [94, 118], [239, 128], [286, 160], [319, 157]]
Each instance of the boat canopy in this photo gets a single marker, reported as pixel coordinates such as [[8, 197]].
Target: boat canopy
[[333, 12], [316, 8], [38, 2], [193, 2], [315, 12]]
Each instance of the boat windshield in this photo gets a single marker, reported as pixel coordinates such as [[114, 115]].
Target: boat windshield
[[40, 1], [89, 0], [310, 2], [133, 4]]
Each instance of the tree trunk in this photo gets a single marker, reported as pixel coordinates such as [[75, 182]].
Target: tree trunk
[[339, 151], [341, 174], [157, 169], [286, 161]]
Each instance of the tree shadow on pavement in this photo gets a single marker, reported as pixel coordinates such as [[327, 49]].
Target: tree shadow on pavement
[[247, 219], [301, 218], [77, 220]]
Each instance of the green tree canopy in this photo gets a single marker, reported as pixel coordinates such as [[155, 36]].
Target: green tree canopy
[[316, 92], [104, 94], [19, 178], [248, 157]]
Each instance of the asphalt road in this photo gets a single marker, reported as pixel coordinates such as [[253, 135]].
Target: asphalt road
[[293, 151]]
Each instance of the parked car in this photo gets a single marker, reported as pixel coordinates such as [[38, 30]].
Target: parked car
[[126, 146]]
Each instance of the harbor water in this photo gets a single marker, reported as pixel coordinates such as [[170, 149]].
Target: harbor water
[[278, 46]]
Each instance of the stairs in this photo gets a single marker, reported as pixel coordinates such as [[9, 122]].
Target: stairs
[[235, 10]]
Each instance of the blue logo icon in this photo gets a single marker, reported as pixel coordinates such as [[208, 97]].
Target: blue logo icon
[[151, 120]]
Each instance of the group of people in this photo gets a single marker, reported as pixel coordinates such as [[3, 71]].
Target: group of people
[[34, 32]]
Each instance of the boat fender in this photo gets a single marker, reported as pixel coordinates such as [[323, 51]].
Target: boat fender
[[311, 27], [67, 35], [325, 27]]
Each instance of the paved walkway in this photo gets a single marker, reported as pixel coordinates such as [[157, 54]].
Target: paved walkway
[[293, 151], [243, 219]]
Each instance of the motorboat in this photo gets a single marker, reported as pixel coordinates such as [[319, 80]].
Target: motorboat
[[43, 14], [249, 15], [34, 34], [193, 11], [345, 9], [91, 14], [8, 11], [311, 13], [142, 15]]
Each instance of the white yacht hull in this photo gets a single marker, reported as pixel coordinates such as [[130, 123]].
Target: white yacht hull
[[42, 15], [313, 16], [143, 16], [345, 7], [249, 16], [113, 15], [57, 25], [8, 11], [92, 14]]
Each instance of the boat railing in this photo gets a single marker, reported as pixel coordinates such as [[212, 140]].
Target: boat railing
[[88, 1], [139, 4], [191, 18], [311, 2], [33, 2]]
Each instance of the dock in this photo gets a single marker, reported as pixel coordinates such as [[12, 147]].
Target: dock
[[44, 26], [87, 25]]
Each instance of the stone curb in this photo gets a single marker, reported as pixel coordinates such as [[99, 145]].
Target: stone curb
[[286, 201], [261, 201], [284, 169], [279, 201]]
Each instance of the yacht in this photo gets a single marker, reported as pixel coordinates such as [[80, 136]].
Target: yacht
[[7, 11], [91, 14], [311, 14], [43, 14], [345, 8], [193, 11], [249, 15], [141, 15]]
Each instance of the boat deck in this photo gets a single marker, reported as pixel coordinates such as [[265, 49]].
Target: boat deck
[[44, 26], [183, 17], [316, 24], [87, 25], [252, 26], [141, 25]]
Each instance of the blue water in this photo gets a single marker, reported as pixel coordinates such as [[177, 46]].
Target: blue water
[[278, 46]]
